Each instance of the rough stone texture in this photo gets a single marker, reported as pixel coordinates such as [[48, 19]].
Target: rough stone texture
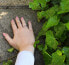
[[14, 2], [6, 16]]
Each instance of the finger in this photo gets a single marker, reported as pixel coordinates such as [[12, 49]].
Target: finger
[[14, 27], [23, 21], [30, 26], [18, 22], [8, 38]]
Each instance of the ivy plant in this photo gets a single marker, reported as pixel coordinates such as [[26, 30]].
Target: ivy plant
[[55, 48]]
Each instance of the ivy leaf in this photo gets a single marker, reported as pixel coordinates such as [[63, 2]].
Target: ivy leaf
[[60, 33], [50, 40], [11, 50], [45, 48], [63, 37], [34, 6], [9, 62], [58, 58], [40, 47], [47, 58], [48, 13], [64, 5], [65, 50], [38, 4], [59, 30], [67, 25], [43, 3], [41, 15], [36, 42], [51, 22]]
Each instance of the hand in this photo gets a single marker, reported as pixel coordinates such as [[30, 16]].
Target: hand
[[23, 36]]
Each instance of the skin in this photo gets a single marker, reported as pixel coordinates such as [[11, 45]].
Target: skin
[[23, 38]]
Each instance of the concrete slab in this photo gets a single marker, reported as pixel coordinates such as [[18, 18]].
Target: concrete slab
[[14, 2], [6, 16]]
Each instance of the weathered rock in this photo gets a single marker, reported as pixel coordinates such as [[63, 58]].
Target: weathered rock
[[6, 15], [14, 2]]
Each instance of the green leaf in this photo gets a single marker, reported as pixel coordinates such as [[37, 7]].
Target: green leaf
[[40, 47], [43, 3], [50, 40], [64, 5], [65, 51], [58, 58], [38, 4], [59, 30], [45, 47], [34, 6], [41, 14], [47, 58], [51, 22], [63, 37], [11, 50], [9, 62], [48, 13], [36, 42], [60, 33], [67, 25]]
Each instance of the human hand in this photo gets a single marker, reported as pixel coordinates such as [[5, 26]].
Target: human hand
[[23, 36]]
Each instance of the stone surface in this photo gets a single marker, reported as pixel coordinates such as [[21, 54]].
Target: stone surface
[[14, 2], [6, 16]]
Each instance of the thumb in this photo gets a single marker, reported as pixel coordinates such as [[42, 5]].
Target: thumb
[[8, 38]]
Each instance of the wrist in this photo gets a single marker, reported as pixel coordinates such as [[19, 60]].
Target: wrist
[[28, 48]]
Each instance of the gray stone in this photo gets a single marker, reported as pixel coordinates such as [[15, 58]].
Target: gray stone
[[14, 2], [6, 15]]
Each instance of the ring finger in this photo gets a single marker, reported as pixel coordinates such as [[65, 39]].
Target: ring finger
[[23, 22]]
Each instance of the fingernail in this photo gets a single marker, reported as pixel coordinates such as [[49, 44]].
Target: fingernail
[[29, 22], [12, 20], [17, 17], [21, 18], [4, 34]]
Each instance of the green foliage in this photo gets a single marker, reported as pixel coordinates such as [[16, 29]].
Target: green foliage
[[9, 62], [50, 40], [65, 18], [36, 42], [47, 58], [67, 25], [40, 47], [48, 13], [11, 50], [38, 4], [59, 30], [65, 51], [55, 29], [52, 21], [58, 58], [64, 5]]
